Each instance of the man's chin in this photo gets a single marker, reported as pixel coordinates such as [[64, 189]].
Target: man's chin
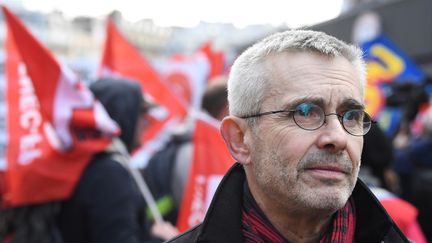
[[329, 198]]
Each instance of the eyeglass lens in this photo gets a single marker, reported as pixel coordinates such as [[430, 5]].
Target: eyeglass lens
[[311, 117]]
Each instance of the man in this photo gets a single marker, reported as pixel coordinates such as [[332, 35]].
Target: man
[[296, 128]]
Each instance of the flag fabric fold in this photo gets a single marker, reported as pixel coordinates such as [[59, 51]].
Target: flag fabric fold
[[186, 76], [122, 59], [216, 60], [54, 124], [211, 160]]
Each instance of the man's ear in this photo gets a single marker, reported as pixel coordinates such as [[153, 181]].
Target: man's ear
[[234, 130]]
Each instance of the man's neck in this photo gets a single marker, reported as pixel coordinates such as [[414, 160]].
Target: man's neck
[[298, 227]]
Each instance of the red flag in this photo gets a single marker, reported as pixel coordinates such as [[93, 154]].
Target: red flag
[[216, 60], [120, 58], [186, 76], [54, 124], [211, 160]]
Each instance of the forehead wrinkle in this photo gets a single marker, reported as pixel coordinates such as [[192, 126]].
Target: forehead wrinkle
[[285, 74], [292, 71], [324, 74], [341, 75]]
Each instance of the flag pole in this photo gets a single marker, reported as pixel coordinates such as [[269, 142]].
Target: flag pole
[[123, 158], [148, 197]]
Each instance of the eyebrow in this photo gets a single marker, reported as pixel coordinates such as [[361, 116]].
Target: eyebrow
[[294, 103], [348, 103], [352, 104]]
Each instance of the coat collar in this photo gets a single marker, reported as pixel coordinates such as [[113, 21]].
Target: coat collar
[[223, 219]]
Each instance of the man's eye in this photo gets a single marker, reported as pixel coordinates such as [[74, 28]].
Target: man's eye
[[353, 118], [353, 115], [308, 110], [304, 109]]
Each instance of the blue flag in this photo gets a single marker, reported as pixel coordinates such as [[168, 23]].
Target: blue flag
[[387, 64]]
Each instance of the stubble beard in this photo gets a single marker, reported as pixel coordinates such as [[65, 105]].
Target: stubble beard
[[286, 184]]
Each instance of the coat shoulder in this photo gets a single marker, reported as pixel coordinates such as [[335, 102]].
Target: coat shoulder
[[187, 237]]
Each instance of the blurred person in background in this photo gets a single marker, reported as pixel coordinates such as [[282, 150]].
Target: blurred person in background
[[296, 126], [414, 159], [407, 96], [377, 161], [214, 100], [376, 158], [167, 171], [30, 224], [107, 205]]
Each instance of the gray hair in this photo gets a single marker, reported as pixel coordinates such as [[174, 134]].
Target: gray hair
[[247, 81]]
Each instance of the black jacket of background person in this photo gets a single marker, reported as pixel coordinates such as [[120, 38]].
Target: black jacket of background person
[[106, 205], [222, 222]]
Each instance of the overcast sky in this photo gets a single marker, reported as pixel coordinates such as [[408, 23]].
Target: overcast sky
[[294, 13]]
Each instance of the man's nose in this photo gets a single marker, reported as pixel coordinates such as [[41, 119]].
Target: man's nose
[[333, 135]]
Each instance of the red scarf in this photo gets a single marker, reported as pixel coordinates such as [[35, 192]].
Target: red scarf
[[257, 228]]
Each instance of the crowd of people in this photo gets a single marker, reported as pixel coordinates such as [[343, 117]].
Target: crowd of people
[[311, 164]]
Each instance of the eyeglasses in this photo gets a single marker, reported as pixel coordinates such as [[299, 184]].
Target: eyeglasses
[[309, 116]]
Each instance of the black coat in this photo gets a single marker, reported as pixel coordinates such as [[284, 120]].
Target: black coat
[[222, 222], [105, 207]]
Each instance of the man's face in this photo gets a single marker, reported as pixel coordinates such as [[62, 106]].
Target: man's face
[[302, 169]]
